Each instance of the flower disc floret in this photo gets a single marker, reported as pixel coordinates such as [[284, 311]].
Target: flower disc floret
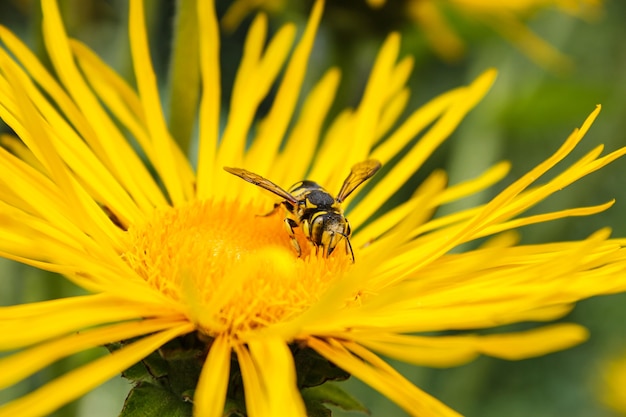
[[233, 268]]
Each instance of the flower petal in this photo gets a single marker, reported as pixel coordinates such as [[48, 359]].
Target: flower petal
[[23, 364], [48, 319], [96, 128], [210, 393], [210, 101], [165, 163], [79, 381], [445, 351], [370, 369], [272, 129]]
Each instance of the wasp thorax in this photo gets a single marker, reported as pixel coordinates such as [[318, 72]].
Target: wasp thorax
[[319, 199]]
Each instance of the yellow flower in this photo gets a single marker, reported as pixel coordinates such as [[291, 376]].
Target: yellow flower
[[613, 394], [433, 17], [166, 251], [504, 17]]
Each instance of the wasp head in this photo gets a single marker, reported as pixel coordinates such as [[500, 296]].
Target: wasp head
[[328, 229]]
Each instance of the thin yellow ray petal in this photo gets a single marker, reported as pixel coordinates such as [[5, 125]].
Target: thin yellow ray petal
[[502, 240], [367, 115], [415, 123], [502, 265], [210, 393], [532, 176], [542, 218], [485, 314], [256, 400], [495, 305], [413, 159], [123, 102], [97, 129], [370, 369], [246, 95], [165, 163], [391, 113], [439, 351], [399, 77], [28, 240], [23, 364], [589, 254], [78, 204], [359, 277], [271, 132], [58, 318], [456, 192], [236, 12], [96, 69], [581, 168], [255, 76], [446, 351], [77, 382], [534, 47], [474, 185], [252, 54], [334, 147], [533, 343], [295, 160], [43, 195], [74, 152], [438, 32], [210, 101], [493, 210], [418, 205], [355, 145], [96, 273], [16, 147], [277, 374]]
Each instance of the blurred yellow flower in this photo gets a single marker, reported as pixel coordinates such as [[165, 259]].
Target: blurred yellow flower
[[433, 17], [504, 17], [613, 392], [165, 251]]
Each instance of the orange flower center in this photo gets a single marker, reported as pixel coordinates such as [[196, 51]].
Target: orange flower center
[[229, 268]]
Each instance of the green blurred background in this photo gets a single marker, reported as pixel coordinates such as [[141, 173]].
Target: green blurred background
[[524, 118]]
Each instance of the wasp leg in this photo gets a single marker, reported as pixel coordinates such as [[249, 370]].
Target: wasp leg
[[290, 224], [349, 248], [273, 211]]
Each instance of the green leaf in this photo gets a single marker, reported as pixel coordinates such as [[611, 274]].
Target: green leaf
[[314, 370], [234, 408], [317, 409], [330, 393], [184, 74], [149, 400]]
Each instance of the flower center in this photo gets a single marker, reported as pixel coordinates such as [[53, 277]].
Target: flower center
[[229, 267]]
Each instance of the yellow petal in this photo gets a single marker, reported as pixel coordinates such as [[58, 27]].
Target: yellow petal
[[50, 319], [445, 351], [210, 394], [273, 127], [210, 101], [165, 164], [370, 369], [23, 364], [81, 380]]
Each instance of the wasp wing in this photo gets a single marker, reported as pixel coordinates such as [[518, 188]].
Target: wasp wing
[[262, 182], [358, 174]]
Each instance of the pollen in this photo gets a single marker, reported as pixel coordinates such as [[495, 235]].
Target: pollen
[[230, 268]]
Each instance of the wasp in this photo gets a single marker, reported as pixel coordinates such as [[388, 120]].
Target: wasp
[[314, 209]]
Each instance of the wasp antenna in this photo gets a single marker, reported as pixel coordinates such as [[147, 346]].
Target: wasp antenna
[[348, 246]]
